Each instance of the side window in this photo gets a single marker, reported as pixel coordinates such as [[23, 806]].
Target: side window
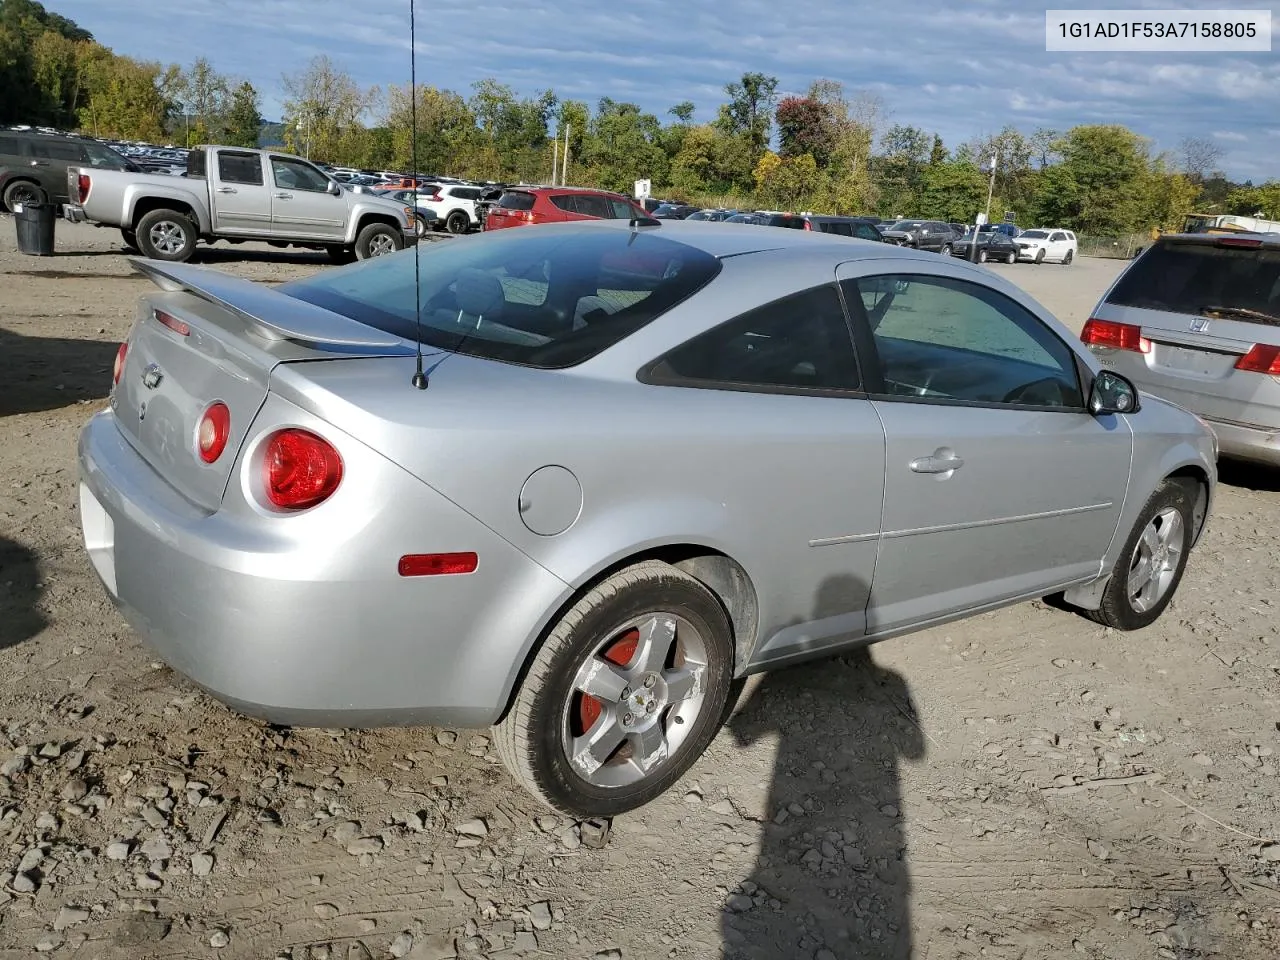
[[295, 175], [945, 339], [10, 147], [566, 202], [593, 206], [866, 232], [799, 342], [58, 150], [239, 167], [621, 210], [1058, 236]]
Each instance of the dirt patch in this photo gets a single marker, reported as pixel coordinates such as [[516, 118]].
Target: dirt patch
[[1022, 785]]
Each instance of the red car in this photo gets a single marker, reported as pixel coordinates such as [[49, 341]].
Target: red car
[[521, 206]]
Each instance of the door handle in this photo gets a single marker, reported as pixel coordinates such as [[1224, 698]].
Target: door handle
[[285, 196], [942, 461], [39, 163], [226, 189]]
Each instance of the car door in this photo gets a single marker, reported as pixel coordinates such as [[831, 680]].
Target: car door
[[799, 468], [239, 196], [1058, 245], [301, 204], [999, 483], [50, 158]]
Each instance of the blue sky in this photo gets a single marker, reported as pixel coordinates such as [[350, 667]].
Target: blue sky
[[959, 70]]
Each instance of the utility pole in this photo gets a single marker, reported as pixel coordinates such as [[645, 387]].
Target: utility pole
[[991, 188], [555, 158], [564, 178]]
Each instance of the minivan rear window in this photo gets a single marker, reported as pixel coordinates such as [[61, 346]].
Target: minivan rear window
[[516, 200], [1193, 278], [537, 298]]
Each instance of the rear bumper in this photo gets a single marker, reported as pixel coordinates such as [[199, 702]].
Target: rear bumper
[[1246, 442], [313, 627], [74, 213]]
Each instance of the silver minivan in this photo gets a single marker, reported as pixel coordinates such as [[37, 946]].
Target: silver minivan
[[1196, 320]]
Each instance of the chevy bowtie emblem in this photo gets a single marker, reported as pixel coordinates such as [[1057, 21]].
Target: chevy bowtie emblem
[[152, 376], [1199, 324]]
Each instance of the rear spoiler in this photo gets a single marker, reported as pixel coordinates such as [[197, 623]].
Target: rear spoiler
[[276, 316]]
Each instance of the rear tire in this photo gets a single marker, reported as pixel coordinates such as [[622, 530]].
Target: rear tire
[[22, 192], [1039, 257], [166, 235], [946, 250], [340, 255], [1155, 552], [457, 222], [1066, 261], [1010, 257], [130, 238], [377, 240], [686, 685]]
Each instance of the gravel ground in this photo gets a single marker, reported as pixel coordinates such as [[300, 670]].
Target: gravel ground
[[1022, 785]]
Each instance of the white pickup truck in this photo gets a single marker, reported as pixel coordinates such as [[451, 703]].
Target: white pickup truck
[[234, 194]]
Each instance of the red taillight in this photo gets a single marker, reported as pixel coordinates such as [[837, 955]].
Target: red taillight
[[121, 352], [82, 184], [172, 322], [212, 434], [1118, 336], [807, 226], [302, 469], [437, 564], [1261, 359], [1239, 242]]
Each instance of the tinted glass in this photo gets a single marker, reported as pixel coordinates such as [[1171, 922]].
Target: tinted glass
[[702, 215], [104, 158], [466, 193], [296, 175], [938, 338], [569, 203], [1193, 278], [1035, 234], [905, 225], [621, 210], [546, 299], [239, 167], [866, 232], [196, 164], [516, 200], [593, 206], [10, 146], [67, 150], [799, 342]]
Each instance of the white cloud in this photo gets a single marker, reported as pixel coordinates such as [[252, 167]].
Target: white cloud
[[961, 71]]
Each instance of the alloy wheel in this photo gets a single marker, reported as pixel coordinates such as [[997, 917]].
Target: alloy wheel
[[1155, 559], [635, 699], [167, 237]]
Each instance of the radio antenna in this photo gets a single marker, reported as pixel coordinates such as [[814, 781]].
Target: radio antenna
[[419, 378]]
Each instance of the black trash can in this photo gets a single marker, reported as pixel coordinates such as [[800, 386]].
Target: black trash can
[[34, 222]]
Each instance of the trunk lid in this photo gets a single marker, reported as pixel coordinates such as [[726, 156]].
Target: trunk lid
[[207, 337]]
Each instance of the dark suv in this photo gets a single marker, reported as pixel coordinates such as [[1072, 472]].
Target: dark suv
[[922, 234], [33, 166], [862, 227]]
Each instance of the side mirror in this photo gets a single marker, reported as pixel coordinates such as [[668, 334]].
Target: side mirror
[[334, 188], [1112, 393]]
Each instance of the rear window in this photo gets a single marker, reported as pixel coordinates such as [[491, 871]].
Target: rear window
[[516, 200], [544, 299], [10, 146], [1195, 278]]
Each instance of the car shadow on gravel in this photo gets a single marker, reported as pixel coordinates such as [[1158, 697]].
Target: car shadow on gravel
[[831, 880], [46, 373], [20, 614], [1250, 476]]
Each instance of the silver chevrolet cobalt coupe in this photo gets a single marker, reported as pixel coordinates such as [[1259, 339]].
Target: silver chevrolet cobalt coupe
[[577, 480]]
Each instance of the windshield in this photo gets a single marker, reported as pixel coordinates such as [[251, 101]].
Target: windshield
[[1034, 234], [1190, 277], [544, 298]]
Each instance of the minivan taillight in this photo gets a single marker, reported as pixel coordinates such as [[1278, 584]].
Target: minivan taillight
[[1118, 336], [121, 352], [82, 186], [301, 469], [1261, 359]]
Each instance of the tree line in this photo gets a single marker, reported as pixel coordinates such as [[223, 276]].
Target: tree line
[[829, 150]]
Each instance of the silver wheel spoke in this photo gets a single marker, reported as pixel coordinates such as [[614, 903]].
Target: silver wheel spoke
[[1150, 538], [1141, 575], [589, 752], [601, 679], [649, 746], [683, 683], [656, 637]]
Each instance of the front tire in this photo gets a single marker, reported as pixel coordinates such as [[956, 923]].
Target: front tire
[[166, 235], [946, 250], [1039, 257], [1010, 257], [1150, 566], [982, 256], [457, 222], [378, 240], [624, 695]]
